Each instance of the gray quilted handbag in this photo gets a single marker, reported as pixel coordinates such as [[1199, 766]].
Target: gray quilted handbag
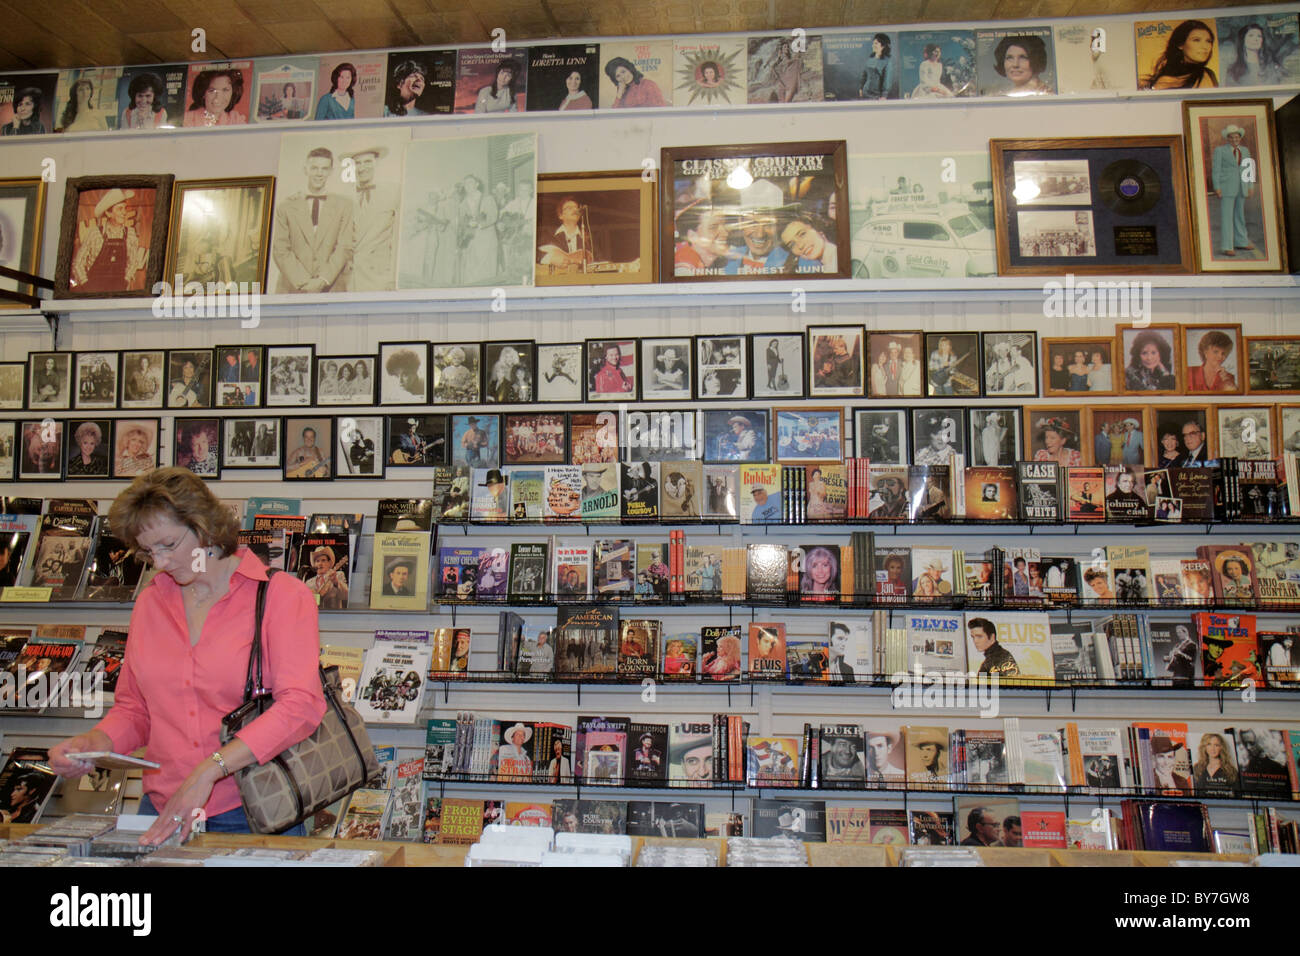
[[309, 776]]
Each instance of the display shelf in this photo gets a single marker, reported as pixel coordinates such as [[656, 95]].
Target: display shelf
[[1055, 526], [685, 295]]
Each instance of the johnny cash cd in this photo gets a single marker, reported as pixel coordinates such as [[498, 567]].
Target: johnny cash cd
[[1129, 187]]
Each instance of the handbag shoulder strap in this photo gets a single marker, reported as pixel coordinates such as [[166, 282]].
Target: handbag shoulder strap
[[255, 653]]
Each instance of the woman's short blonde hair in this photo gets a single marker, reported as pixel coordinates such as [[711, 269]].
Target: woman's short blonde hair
[[174, 494]]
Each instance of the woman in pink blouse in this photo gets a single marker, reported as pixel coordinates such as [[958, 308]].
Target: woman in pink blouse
[[187, 658]]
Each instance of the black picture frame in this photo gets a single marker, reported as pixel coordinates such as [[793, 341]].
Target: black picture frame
[[99, 468], [359, 447], [519, 384], [726, 441], [459, 426], [661, 384], [142, 387], [299, 466], [977, 443], [999, 367], [926, 421], [455, 373], [288, 375], [890, 445], [331, 388], [520, 429], [186, 431], [428, 447], [197, 391], [124, 431], [49, 389], [236, 431], [246, 373], [659, 434], [721, 367], [40, 450], [767, 371], [561, 375], [961, 377], [8, 450], [841, 378], [90, 391], [615, 385]]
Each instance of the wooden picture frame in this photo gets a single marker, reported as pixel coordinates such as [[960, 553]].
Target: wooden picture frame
[[1245, 431], [994, 435], [1142, 367], [141, 375], [1133, 450], [560, 372], [1053, 433], [1288, 428], [1228, 376], [416, 441], [1111, 205], [782, 192], [668, 372], [947, 423], [1241, 179], [606, 380], [13, 385], [1097, 377], [8, 460], [404, 373], [22, 223], [454, 372], [212, 228], [617, 208], [93, 205], [535, 438], [194, 391], [725, 435], [1273, 364]]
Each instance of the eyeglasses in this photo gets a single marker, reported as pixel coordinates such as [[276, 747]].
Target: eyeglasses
[[163, 551]]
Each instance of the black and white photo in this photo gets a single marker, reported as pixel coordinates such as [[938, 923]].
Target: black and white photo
[[142, 379], [1052, 182], [250, 443], [8, 445], [509, 373], [457, 373], [360, 446], [880, 435], [189, 378], [96, 380], [776, 364], [1056, 233], [1245, 431], [345, 380], [50, 387], [667, 368], [288, 375], [1010, 363], [13, 378], [994, 436], [720, 370], [662, 435], [937, 435], [560, 374], [403, 373]]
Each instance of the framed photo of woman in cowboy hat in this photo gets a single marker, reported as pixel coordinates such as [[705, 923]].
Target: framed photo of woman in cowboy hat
[[113, 238]]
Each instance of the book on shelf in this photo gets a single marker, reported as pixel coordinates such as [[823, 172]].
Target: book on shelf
[[600, 748], [1229, 648], [637, 646], [586, 641], [392, 681], [489, 497], [767, 652], [399, 574], [614, 567], [720, 652], [105, 657], [1039, 490], [771, 760], [991, 493], [600, 497], [759, 494], [648, 752], [928, 490], [639, 490], [526, 486], [681, 490], [404, 514], [450, 502], [652, 571], [458, 570], [803, 820], [843, 754], [406, 809], [571, 573], [27, 782], [679, 653], [527, 582]]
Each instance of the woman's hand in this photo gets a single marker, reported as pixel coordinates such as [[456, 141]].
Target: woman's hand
[[65, 767], [180, 809]]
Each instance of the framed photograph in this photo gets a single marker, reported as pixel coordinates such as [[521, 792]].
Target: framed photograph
[[189, 378], [22, 223], [1212, 359], [611, 369], [1118, 435], [475, 440], [251, 443], [288, 376], [1097, 205], [534, 438], [135, 446], [220, 232], [359, 439], [938, 434], [142, 378], [755, 211], [8, 448], [113, 240], [835, 361], [509, 373], [738, 434], [720, 371], [1053, 433], [1288, 428], [1245, 431], [662, 435], [593, 437], [13, 384], [50, 385], [994, 435], [345, 380], [197, 446], [40, 454], [1236, 190], [808, 435], [952, 364], [239, 375], [1082, 365], [667, 364], [1184, 435], [309, 447], [88, 448], [595, 229], [1274, 365], [776, 359], [458, 373], [418, 441], [561, 375], [1010, 363], [895, 361], [1151, 359], [880, 435], [404, 373]]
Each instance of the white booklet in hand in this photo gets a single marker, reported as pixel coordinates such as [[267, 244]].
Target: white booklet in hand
[[107, 760]]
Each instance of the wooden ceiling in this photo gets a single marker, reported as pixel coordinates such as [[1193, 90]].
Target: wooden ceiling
[[66, 33]]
